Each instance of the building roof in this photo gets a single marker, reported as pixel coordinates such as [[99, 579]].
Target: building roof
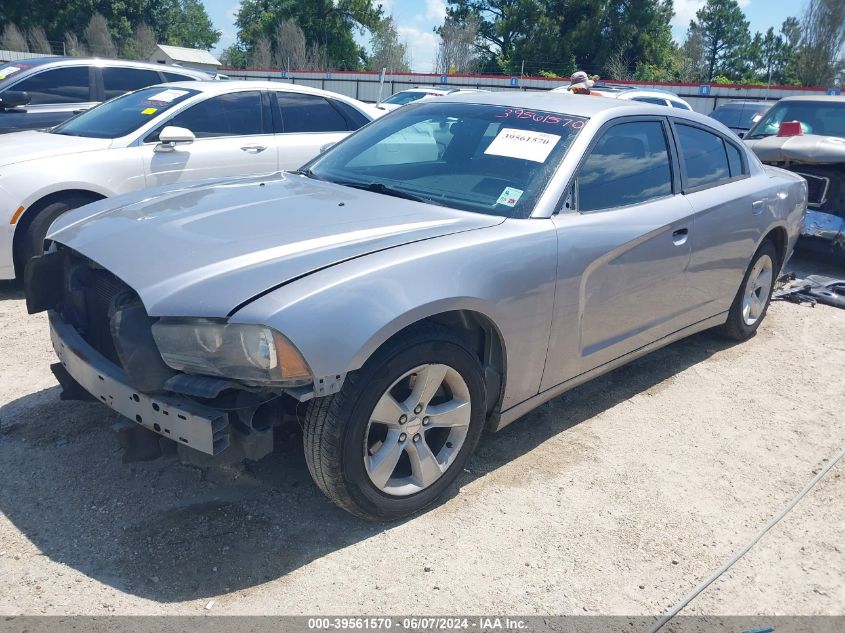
[[189, 55]]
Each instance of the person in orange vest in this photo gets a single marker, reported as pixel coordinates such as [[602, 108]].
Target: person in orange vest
[[580, 83]]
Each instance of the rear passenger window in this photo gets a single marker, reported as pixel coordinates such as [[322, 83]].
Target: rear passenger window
[[652, 100], [309, 113], [734, 160], [118, 81], [176, 77], [679, 105], [352, 116], [629, 165], [703, 155], [60, 85]]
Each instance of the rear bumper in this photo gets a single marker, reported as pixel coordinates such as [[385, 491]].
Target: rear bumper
[[825, 226], [180, 419]]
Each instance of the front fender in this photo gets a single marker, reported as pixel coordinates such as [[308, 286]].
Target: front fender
[[340, 316]]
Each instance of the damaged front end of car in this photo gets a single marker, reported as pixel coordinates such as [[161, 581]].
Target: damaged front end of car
[[821, 162], [168, 376]]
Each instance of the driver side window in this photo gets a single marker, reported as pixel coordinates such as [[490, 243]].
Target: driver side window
[[236, 114], [630, 164]]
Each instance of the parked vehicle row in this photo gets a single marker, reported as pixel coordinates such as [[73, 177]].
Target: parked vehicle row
[[42, 92], [156, 136], [443, 270]]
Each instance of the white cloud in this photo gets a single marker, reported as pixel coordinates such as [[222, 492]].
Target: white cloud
[[422, 46], [435, 10]]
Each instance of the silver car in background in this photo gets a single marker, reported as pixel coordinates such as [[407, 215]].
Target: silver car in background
[[445, 269]]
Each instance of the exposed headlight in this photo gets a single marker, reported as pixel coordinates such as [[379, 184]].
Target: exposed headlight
[[249, 353]]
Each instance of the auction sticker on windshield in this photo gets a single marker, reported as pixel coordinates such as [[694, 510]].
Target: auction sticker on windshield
[[9, 70], [510, 196], [525, 144], [166, 96]]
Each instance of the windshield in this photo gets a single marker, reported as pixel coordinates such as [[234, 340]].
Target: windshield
[[826, 118], [482, 158], [401, 98], [125, 114]]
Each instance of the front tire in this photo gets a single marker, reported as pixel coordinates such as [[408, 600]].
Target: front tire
[[33, 241], [754, 295], [401, 429]]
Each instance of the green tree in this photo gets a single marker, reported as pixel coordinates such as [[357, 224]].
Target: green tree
[[387, 50], [181, 22], [555, 35], [724, 31], [819, 59], [327, 24]]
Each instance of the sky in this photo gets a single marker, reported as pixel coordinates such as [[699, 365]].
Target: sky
[[416, 20]]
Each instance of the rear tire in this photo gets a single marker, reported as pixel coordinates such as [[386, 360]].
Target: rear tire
[[754, 295], [381, 448], [32, 244]]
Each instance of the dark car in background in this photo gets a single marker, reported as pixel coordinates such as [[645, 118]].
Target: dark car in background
[[44, 91], [806, 135], [740, 116]]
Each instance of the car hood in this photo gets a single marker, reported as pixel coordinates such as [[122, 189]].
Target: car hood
[[18, 147], [807, 148], [205, 250]]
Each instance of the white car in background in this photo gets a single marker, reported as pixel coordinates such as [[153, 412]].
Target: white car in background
[[157, 136], [404, 97], [630, 93]]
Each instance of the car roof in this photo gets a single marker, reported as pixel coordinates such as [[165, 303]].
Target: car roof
[[824, 98], [121, 63], [581, 105], [741, 102], [222, 87]]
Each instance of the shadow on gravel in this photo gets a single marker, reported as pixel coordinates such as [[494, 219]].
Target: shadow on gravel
[[10, 290], [168, 532]]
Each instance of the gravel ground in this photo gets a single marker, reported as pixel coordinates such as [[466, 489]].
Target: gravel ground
[[617, 498]]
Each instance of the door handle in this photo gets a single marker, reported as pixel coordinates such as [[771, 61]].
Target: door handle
[[679, 237], [254, 148], [757, 207]]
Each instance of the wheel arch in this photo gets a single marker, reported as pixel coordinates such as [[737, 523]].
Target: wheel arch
[[31, 212], [779, 237], [472, 324]]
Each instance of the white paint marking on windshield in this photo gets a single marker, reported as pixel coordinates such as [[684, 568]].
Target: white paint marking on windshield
[[526, 144]]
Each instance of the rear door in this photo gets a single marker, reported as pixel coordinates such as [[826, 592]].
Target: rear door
[[234, 137], [729, 205], [305, 123], [116, 80], [623, 250]]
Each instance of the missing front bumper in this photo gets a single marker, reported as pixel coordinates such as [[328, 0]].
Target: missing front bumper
[[825, 226], [184, 421]]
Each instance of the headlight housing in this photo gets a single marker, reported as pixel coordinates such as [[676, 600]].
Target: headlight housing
[[249, 353]]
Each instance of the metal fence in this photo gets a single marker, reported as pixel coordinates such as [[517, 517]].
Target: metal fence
[[703, 98]]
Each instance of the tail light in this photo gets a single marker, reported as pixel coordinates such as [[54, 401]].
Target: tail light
[[790, 128]]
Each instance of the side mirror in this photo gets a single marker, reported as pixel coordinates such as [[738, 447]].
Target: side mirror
[[741, 134], [13, 99], [171, 136], [327, 147]]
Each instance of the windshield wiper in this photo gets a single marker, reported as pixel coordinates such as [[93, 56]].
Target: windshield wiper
[[304, 172], [380, 187]]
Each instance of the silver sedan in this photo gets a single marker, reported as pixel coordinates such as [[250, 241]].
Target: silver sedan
[[446, 269]]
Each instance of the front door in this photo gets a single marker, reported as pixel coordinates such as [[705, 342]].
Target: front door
[[623, 251], [233, 138]]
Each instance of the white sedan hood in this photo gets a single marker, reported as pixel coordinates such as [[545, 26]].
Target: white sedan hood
[[19, 147]]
